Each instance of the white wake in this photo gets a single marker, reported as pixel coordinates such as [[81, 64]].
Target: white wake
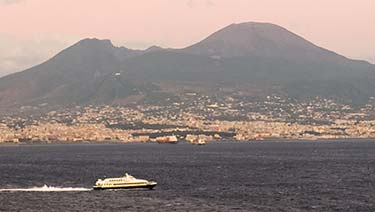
[[46, 188]]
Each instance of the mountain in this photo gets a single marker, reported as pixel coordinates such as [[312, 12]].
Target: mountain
[[257, 39], [266, 56], [74, 75], [256, 51]]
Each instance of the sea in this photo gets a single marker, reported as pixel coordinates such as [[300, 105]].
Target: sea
[[224, 176]]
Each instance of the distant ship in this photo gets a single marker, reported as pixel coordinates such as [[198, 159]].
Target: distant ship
[[125, 182], [167, 139]]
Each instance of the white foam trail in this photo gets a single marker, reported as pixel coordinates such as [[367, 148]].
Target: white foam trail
[[46, 188]]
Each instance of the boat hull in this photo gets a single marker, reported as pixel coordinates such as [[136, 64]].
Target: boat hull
[[167, 142], [149, 186]]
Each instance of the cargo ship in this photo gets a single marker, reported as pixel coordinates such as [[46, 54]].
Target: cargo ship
[[125, 182]]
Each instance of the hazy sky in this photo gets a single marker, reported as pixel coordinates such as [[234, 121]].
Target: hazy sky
[[32, 31]]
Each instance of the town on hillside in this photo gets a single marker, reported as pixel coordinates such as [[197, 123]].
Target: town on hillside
[[194, 117]]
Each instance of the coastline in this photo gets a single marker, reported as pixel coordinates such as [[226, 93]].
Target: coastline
[[223, 141]]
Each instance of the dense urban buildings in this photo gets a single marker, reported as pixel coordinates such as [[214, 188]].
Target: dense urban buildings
[[208, 117]]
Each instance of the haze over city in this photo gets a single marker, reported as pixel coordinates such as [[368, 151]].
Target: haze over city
[[32, 31]]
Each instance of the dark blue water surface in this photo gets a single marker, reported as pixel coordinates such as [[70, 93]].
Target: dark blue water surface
[[268, 176]]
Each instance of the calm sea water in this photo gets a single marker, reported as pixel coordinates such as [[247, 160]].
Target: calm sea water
[[269, 176]]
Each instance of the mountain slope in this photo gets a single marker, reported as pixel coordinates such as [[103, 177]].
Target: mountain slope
[[266, 44], [258, 53], [72, 76], [259, 39]]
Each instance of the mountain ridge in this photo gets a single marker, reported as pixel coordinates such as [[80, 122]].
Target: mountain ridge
[[258, 53]]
